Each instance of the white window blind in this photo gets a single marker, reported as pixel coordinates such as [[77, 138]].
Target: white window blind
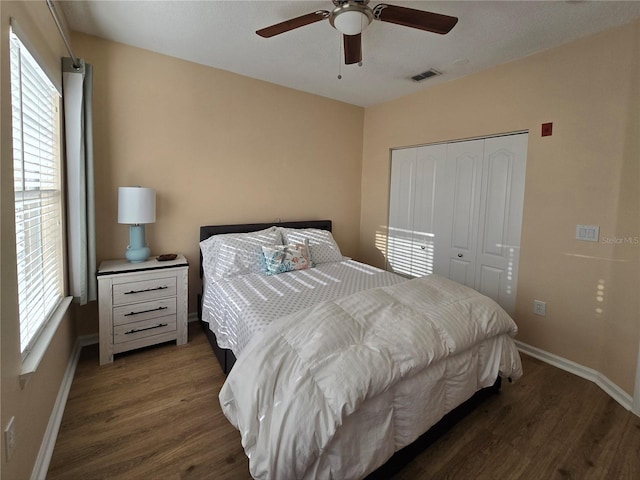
[[36, 165]]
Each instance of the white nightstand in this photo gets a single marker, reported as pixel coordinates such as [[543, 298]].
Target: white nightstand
[[141, 304]]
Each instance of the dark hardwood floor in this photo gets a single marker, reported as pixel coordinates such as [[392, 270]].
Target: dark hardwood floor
[[154, 414]]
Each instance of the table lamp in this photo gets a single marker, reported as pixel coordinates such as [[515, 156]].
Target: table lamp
[[136, 207]]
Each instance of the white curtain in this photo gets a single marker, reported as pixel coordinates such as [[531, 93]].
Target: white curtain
[[77, 85]]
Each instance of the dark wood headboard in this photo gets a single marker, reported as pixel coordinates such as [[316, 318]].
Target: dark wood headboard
[[209, 230]]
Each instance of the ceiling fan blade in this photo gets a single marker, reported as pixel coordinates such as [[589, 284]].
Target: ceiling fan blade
[[352, 48], [293, 23], [410, 17]]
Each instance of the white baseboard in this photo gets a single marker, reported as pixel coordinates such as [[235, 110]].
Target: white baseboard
[[610, 388], [41, 466]]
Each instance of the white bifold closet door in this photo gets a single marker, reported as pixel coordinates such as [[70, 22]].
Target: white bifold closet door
[[456, 210], [410, 245]]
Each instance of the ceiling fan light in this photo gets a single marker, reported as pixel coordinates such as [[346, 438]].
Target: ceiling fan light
[[351, 22]]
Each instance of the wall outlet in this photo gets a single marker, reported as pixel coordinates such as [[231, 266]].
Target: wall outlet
[[10, 438], [539, 308]]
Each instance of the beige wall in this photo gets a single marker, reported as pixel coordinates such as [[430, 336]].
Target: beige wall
[[218, 148], [586, 173], [32, 405]]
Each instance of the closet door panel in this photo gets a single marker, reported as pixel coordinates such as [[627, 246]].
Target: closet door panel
[[458, 192], [423, 238], [494, 207], [463, 203], [491, 281], [401, 208], [459, 271], [501, 218]]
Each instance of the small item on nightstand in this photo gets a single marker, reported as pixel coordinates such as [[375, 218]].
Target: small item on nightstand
[[166, 257]]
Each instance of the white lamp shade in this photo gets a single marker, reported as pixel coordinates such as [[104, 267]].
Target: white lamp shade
[[136, 205], [351, 22]]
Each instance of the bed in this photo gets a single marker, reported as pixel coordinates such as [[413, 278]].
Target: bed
[[210, 305], [335, 369]]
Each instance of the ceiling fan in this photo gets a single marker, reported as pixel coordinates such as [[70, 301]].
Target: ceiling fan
[[351, 17]]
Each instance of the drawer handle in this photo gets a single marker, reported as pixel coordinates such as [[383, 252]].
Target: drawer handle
[[136, 330], [147, 290], [145, 311]]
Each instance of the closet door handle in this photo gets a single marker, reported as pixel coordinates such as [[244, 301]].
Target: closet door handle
[[460, 255]]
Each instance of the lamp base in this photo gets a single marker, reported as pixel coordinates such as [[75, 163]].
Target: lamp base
[[137, 251]]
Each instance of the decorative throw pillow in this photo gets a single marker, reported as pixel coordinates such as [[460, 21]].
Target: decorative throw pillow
[[285, 258], [322, 247], [232, 254]]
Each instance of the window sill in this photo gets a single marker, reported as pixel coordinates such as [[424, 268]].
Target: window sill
[[32, 361]]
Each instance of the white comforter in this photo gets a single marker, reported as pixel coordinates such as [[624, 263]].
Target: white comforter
[[334, 390]]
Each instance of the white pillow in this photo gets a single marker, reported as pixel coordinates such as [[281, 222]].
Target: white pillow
[[322, 246], [231, 254]]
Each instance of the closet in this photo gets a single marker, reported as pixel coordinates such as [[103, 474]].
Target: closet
[[455, 209]]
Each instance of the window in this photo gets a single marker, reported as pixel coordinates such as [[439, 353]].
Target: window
[[35, 106]]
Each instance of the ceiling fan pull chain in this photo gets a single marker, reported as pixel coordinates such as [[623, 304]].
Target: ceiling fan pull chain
[[339, 57]]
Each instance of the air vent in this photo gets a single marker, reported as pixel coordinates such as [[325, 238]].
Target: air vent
[[424, 75]]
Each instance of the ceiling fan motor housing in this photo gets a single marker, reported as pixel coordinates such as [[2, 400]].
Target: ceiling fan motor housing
[[351, 17]]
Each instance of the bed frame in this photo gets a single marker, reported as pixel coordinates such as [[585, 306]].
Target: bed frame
[[401, 457]]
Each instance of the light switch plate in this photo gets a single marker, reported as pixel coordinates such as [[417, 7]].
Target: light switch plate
[[588, 233]]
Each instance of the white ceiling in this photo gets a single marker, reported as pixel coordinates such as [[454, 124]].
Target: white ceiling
[[221, 34]]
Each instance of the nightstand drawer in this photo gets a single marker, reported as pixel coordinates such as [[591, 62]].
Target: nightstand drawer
[[144, 311], [145, 328], [142, 290]]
